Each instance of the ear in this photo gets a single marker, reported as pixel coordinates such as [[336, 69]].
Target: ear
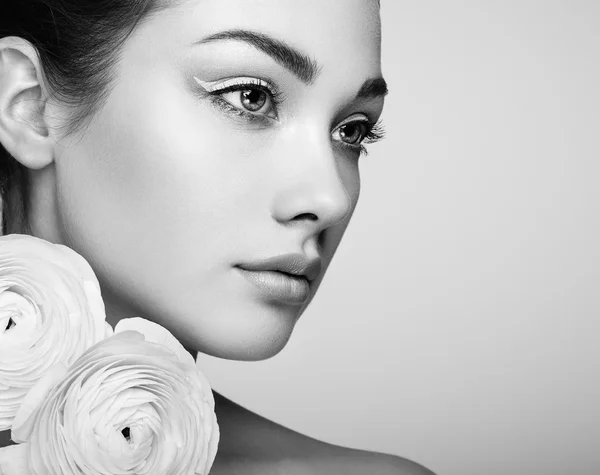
[[23, 129]]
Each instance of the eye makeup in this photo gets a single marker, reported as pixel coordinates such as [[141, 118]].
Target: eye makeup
[[369, 132], [235, 96]]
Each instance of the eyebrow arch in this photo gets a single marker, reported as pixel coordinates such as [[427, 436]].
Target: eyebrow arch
[[373, 88], [300, 64]]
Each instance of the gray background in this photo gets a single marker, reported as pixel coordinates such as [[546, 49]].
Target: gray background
[[459, 322]]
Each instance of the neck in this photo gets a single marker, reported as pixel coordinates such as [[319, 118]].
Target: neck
[[115, 309]]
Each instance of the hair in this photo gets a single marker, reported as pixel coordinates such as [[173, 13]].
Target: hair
[[78, 44]]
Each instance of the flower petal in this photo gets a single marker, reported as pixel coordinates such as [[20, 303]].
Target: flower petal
[[51, 311], [127, 406], [156, 333], [23, 421], [13, 460]]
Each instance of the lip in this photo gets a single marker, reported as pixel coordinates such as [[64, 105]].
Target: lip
[[295, 264], [284, 278]]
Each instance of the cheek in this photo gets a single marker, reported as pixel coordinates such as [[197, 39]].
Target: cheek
[[349, 171], [351, 177], [141, 194]]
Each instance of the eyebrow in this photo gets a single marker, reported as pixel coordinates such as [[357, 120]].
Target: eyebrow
[[373, 88], [298, 63]]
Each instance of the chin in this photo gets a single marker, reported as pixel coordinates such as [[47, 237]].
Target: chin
[[257, 352], [248, 331], [255, 347]]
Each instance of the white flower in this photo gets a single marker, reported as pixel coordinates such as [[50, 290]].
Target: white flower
[[13, 460], [51, 311], [134, 403]]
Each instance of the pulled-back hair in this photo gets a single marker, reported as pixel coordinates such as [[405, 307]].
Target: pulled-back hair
[[78, 43]]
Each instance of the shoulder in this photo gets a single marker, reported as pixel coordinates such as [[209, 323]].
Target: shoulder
[[376, 464], [253, 445], [395, 465], [347, 461]]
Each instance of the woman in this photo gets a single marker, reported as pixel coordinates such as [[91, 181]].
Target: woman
[[202, 155]]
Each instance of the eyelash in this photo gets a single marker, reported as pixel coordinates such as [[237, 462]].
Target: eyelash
[[374, 133]]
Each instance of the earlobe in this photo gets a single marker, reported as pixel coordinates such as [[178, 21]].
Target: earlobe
[[23, 129]]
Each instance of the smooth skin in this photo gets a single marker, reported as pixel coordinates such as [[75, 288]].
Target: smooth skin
[[171, 183]]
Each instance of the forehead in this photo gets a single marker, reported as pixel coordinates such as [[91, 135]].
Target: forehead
[[336, 33]]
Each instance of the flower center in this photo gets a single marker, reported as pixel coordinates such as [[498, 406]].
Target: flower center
[[127, 434], [11, 323]]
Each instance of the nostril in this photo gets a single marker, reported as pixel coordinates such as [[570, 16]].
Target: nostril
[[309, 216]]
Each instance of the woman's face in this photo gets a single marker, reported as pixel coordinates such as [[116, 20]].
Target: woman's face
[[231, 134]]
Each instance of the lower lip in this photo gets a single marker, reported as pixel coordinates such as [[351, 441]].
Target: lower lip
[[279, 286]]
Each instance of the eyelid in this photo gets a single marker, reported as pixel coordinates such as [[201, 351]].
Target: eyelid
[[213, 86], [353, 118], [216, 91]]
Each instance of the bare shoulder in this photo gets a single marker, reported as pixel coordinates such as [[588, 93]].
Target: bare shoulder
[[346, 464], [395, 465], [253, 445], [341, 460]]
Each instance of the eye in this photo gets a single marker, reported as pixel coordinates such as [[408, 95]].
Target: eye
[[354, 132], [251, 98]]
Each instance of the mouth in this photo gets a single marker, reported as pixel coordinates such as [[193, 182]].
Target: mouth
[[286, 278], [294, 265]]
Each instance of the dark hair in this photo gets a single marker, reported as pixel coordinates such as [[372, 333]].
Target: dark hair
[[78, 43]]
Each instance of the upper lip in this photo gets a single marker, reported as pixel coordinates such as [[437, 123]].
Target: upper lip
[[295, 264]]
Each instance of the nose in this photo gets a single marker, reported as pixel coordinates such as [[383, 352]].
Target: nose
[[312, 184]]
